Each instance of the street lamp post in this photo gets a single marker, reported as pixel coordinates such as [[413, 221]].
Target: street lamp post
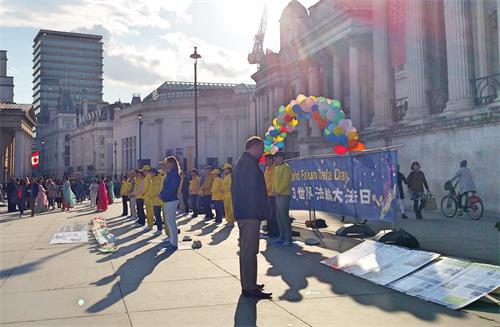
[[116, 167], [195, 56], [140, 116]]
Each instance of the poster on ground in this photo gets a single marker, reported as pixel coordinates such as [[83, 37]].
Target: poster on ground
[[431, 276], [401, 267], [355, 185], [71, 233], [471, 284], [377, 260], [352, 254]]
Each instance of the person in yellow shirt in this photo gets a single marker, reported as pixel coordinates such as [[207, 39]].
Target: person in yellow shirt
[[217, 195], [226, 191], [124, 194], [147, 197], [206, 193], [194, 191], [272, 224], [154, 196], [282, 188], [139, 196]]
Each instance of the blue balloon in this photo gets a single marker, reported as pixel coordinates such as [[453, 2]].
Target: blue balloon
[[307, 115], [331, 127], [314, 107], [268, 142], [280, 145], [297, 109], [331, 138], [342, 140]]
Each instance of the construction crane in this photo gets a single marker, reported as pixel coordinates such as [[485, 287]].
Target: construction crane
[[257, 55]]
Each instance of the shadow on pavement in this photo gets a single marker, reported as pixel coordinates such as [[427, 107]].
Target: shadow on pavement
[[342, 284], [221, 235], [246, 312]]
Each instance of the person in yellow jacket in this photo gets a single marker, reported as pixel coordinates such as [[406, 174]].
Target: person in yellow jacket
[[139, 198], [206, 193], [226, 191], [217, 196], [282, 188], [147, 196], [154, 196], [124, 194], [194, 191], [272, 224]]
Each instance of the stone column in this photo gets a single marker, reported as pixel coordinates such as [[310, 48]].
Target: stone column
[[313, 86], [498, 29], [480, 37], [159, 124], [415, 59], [354, 84], [382, 87], [337, 76], [458, 50], [18, 156]]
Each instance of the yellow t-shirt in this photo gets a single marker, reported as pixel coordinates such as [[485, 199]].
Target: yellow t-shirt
[[216, 189]]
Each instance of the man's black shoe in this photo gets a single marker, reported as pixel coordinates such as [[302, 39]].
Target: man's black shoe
[[258, 294], [260, 286]]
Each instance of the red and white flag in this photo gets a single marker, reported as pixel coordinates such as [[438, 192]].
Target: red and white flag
[[35, 159]]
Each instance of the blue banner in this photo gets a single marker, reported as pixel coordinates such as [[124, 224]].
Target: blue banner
[[354, 185]]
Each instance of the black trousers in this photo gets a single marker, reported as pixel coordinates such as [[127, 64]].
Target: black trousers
[[418, 207], [11, 205], [185, 199], [124, 205], [272, 223], [140, 211], [194, 204]]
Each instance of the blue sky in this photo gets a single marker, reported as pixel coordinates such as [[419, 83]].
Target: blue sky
[[146, 42]]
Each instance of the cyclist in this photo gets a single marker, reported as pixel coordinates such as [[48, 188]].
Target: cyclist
[[465, 182]]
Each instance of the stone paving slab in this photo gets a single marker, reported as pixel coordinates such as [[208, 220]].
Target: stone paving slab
[[108, 320]]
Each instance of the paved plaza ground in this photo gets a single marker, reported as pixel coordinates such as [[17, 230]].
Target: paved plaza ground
[[140, 285]]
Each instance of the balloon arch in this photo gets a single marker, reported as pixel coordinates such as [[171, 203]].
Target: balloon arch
[[327, 114]]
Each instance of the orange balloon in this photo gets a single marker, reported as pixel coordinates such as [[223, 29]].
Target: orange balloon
[[359, 147], [352, 144]]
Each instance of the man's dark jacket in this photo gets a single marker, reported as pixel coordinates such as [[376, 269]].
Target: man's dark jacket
[[248, 189]]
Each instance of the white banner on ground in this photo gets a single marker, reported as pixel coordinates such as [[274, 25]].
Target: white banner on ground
[[431, 276], [71, 233], [355, 253], [400, 267], [471, 284]]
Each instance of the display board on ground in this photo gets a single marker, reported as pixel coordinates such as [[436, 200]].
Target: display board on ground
[[71, 233], [380, 263], [450, 282]]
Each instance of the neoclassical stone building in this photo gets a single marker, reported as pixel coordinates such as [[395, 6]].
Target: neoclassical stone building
[[226, 118], [423, 74]]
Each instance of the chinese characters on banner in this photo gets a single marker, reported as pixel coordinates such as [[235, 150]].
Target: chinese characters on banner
[[361, 185]]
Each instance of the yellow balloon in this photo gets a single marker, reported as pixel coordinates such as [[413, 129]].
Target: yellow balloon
[[294, 122], [300, 98], [338, 131], [278, 139], [275, 122], [352, 136]]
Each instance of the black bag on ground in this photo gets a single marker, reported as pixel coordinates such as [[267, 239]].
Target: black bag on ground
[[318, 223], [399, 237]]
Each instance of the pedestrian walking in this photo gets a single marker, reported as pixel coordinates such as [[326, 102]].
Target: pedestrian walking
[[250, 208], [52, 193], [282, 188], [110, 188], [21, 195], [59, 193], [194, 191], [272, 224], [42, 203], [68, 196], [416, 183], [33, 189], [400, 195], [184, 192], [93, 192], [217, 196], [226, 192], [131, 194], [11, 191], [80, 191], [157, 203], [102, 196], [169, 196], [206, 193], [124, 194]]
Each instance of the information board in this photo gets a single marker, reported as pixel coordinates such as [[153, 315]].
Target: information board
[[71, 233], [352, 254]]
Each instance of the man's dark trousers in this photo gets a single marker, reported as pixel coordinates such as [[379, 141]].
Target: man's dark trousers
[[249, 248], [124, 205]]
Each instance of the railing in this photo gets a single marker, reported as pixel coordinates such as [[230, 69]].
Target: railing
[[486, 89], [399, 108], [437, 99]]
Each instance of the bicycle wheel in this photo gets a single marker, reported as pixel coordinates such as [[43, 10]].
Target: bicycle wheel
[[448, 206], [474, 206], [360, 220]]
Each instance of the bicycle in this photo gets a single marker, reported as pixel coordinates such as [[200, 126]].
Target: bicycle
[[449, 203]]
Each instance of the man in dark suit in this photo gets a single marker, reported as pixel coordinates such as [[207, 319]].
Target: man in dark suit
[[251, 206]]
